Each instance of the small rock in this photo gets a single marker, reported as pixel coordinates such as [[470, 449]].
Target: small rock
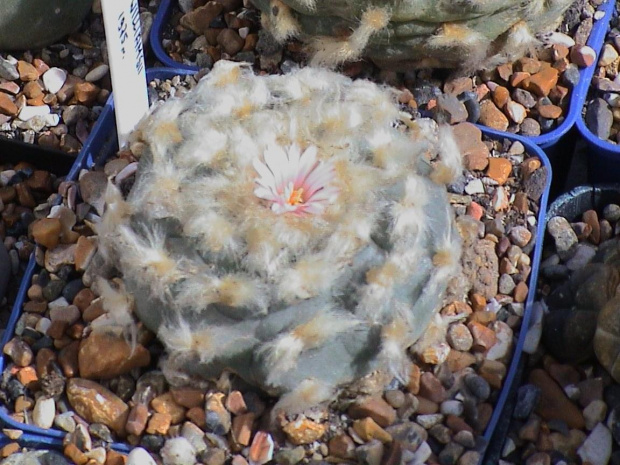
[[242, 429], [19, 351], [44, 413], [370, 454], [553, 402], [217, 417], [96, 404], [492, 117], [139, 456], [341, 446], [599, 118], [302, 431], [121, 356], [594, 413], [564, 236], [583, 55], [97, 73], [375, 408], [596, 449], [54, 79], [178, 451], [287, 456], [261, 449]]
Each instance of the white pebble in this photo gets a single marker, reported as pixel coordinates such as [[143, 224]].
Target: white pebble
[[59, 302], [51, 120], [560, 39], [474, 186], [452, 407], [243, 32], [54, 79], [43, 325], [594, 413], [430, 420], [178, 451], [422, 454], [503, 347], [596, 449], [65, 421], [599, 15], [140, 456], [98, 454], [44, 413], [27, 112], [532, 337]]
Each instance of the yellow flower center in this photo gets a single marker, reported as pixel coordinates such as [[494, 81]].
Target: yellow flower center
[[296, 197]]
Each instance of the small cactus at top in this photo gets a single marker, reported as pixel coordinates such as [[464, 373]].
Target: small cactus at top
[[473, 34], [293, 229]]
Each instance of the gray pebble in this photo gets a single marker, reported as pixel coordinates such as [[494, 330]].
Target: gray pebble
[[564, 236], [524, 97], [506, 284], [527, 398], [599, 118], [570, 77], [478, 386], [8, 70], [584, 254], [612, 212], [530, 127]]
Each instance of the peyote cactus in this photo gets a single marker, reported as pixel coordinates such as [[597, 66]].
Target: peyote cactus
[[292, 229], [414, 33]]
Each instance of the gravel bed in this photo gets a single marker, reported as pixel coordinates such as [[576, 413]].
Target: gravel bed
[[56, 377], [602, 111], [26, 194], [567, 407], [53, 96], [528, 97]]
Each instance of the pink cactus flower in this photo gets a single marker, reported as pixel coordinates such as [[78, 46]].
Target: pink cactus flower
[[295, 182]]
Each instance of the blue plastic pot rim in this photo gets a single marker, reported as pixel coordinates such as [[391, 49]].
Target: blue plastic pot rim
[[105, 129]]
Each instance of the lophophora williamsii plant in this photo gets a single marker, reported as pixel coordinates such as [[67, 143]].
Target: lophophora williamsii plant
[[403, 34], [294, 230]]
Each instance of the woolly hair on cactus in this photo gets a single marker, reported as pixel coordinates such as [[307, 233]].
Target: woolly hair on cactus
[[469, 34], [293, 229]]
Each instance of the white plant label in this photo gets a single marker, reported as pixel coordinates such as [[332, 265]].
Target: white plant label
[[126, 56]]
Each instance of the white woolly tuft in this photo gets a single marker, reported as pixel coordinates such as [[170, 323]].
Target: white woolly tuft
[[395, 338], [283, 352], [282, 25], [308, 394], [450, 158]]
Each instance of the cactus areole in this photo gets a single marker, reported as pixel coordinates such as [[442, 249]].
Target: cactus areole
[[292, 229]]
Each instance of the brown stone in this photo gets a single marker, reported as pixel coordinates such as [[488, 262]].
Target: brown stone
[[527, 65], [457, 424], [19, 351], [32, 89], [341, 446], [426, 407], [26, 71], [564, 375], [68, 359], [591, 218], [475, 153], [550, 111], [28, 377], [40, 181], [413, 386], [136, 420], [96, 404], [7, 105], [83, 299], [518, 77], [542, 82], [63, 254], [230, 41], [501, 95], [458, 360], [85, 93], [9, 87], [302, 431], [166, 404], [120, 356], [235, 403], [553, 404], [199, 19], [374, 407], [521, 202], [44, 358], [367, 429], [85, 250], [93, 311], [74, 454], [484, 338], [242, 428], [431, 388], [505, 71], [197, 416], [499, 169], [114, 458], [188, 397], [520, 292], [46, 232], [10, 449], [492, 117], [159, 423]]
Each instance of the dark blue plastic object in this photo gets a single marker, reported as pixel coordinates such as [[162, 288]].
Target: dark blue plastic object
[[603, 155], [102, 144], [155, 37]]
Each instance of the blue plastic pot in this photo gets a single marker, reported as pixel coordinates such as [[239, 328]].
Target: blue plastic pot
[[603, 155], [103, 143]]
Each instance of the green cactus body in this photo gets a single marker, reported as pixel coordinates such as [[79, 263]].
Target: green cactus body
[[291, 229], [419, 33]]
